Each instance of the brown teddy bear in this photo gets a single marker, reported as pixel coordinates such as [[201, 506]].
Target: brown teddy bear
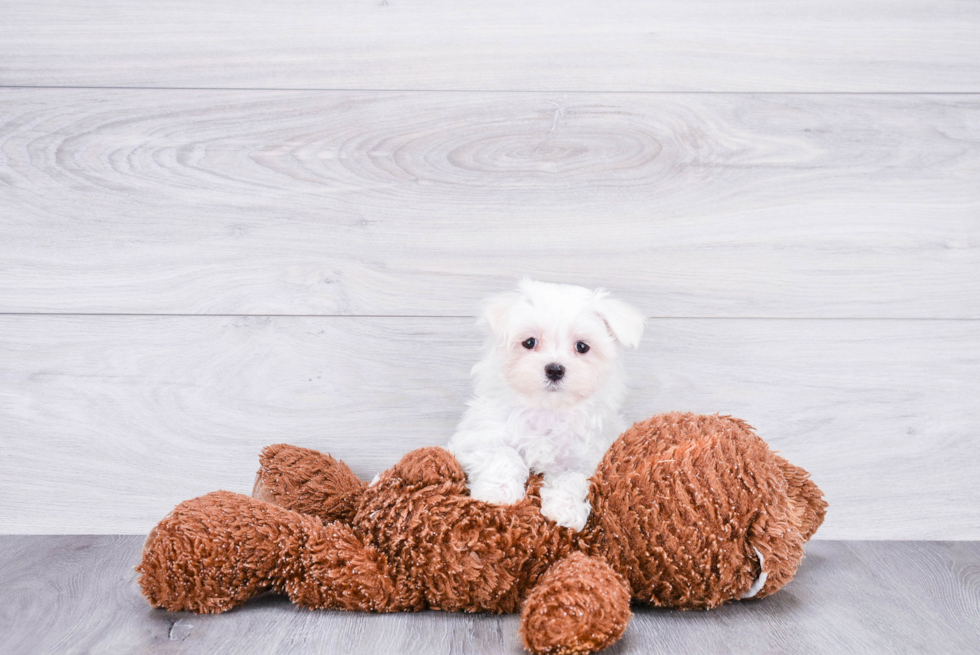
[[688, 511]]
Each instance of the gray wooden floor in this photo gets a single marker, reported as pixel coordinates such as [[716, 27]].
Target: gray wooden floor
[[77, 594]]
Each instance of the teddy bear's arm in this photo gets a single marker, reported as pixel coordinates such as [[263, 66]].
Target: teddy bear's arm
[[426, 467], [308, 482], [580, 605]]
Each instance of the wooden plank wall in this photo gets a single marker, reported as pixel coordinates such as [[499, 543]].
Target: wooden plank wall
[[631, 45], [222, 227]]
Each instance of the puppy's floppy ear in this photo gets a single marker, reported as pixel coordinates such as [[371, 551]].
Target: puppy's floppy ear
[[495, 310], [624, 322]]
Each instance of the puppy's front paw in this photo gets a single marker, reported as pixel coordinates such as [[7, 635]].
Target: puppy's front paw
[[564, 509], [498, 492]]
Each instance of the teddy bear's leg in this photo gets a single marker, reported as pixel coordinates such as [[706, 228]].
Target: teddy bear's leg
[[215, 552], [340, 572], [580, 605], [307, 482]]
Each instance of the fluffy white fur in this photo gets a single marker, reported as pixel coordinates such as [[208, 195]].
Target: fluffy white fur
[[521, 421]]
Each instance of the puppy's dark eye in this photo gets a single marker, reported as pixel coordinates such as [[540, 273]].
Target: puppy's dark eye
[[582, 347], [530, 343]]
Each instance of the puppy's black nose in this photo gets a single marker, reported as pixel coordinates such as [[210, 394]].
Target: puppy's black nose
[[554, 371]]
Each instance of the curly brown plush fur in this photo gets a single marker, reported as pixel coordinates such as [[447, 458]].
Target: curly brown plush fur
[[681, 504]]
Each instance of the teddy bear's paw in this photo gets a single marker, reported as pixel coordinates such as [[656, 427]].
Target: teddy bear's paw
[[580, 605]]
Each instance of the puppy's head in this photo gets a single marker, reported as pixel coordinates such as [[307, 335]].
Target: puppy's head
[[556, 345]]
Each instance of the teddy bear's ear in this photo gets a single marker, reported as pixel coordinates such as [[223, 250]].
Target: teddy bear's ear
[[624, 322], [495, 311]]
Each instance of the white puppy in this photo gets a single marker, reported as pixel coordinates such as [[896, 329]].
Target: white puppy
[[548, 393]]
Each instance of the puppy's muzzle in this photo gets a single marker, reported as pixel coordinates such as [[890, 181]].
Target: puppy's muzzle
[[554, 371]]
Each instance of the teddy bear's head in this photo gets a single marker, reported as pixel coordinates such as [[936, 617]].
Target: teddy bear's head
[[684, 509]]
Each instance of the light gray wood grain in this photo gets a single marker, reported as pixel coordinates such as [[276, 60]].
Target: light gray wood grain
[[857, 596], [77, 594], [111, 421], [812, 45], [422, 203]]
